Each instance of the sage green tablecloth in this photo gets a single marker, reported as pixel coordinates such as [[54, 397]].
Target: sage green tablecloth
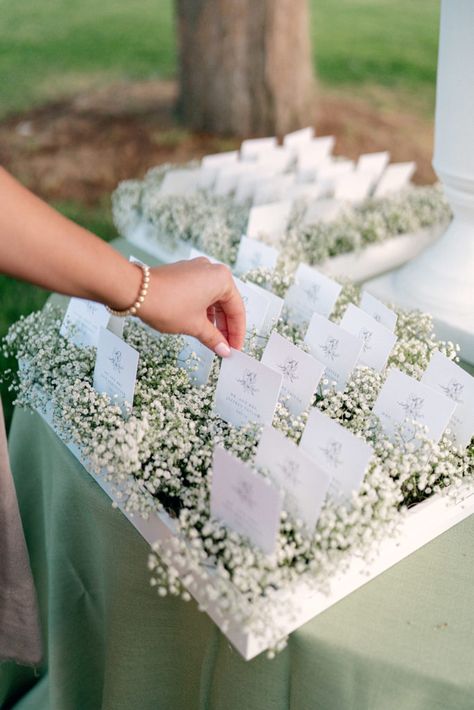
[[405, 641]]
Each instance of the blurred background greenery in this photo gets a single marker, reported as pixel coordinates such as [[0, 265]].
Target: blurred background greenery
[[380, 52]]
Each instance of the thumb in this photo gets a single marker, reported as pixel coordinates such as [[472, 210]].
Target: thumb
[[212, 338]]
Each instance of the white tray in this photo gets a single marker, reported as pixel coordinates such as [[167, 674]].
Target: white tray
[[422, 524]]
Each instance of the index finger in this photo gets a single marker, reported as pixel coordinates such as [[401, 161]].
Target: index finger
[[234, 311]]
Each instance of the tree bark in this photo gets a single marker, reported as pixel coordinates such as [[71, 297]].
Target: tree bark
[[245, 66]]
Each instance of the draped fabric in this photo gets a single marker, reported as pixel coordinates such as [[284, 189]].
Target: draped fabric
[[19, 626], [404, 640]]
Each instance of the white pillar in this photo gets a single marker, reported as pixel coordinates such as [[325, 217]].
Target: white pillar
[[441, 279]]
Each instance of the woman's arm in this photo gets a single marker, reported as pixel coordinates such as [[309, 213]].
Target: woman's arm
[[39, 245]]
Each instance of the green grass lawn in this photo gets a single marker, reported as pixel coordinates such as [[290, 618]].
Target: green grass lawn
[[55, 47]]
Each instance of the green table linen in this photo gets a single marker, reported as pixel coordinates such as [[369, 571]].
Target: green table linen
[[405, 641]]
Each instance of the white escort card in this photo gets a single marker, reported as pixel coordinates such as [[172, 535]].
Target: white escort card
[[378, 310], [354, 187], [301, 372], [375, 163], [254, 254], [275, 307], [228, 177], [312, 292], [247, 391], [273, 189], [305, 483], [451, 380], [179, 182], [342, 454], [256, 304], [245, 501], [277, 159], [324, 210], [395, 178], [252, 148], [115, 371], [377, 340], [298, 139], [196, 359], [312, 155], [83, 321], [248, 183], [269, 220], [403, 400], [337, 349]]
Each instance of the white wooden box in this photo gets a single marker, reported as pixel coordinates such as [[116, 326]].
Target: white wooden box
[[421, 524]]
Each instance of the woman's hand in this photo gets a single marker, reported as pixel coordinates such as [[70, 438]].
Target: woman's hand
[[196, 298]]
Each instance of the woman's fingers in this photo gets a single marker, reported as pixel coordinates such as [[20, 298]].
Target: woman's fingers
[[212, 338], [230, 306]]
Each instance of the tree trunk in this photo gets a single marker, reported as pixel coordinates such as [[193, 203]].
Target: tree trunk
[[245, 66]]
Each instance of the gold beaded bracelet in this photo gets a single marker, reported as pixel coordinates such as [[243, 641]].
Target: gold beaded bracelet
[[141, 296]]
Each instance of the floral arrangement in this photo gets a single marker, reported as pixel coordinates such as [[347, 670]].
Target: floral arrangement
[[159, 458], [215, 224]]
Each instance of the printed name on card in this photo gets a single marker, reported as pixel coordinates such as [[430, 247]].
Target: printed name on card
[[343, 455], [451, 380], [378, 310], [115, 371], [301, 372], [254, 254], [337, 349], [245, 501], [196, 359], [305, 483], [377, 340], [83, 321], [403, 402], [312, 292], [247, 390]]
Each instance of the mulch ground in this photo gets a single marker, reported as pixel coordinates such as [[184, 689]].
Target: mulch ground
[[79, 149]]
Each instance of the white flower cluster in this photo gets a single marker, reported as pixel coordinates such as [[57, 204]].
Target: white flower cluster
[[159, 459], [215, 224]]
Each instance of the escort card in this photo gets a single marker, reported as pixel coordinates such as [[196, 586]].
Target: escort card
[[403, 400], [298, 139], [301, 372], [374, 163], [451, 380], [337, 349], [321, 291], [305, 483], [275, 307], [179, 182], [254, 254], [343, 455], [377, 340], [228, 177], [378, 310], [269, 220], [115, 371], [83, 321], [252, 148], [353, 187], [395, 178], [256, 303], [247, 391], [198, 367], [312, 155], [245, 501], [273, 189]]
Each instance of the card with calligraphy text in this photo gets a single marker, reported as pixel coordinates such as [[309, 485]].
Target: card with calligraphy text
[[451, 380], [403, 401], [377, 340], [301, 372], [83, 321], [254, 254], [342, 454], [305, 483], [337, 349], [247, 391], [245, 501], [378, 310], [115, 371]]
